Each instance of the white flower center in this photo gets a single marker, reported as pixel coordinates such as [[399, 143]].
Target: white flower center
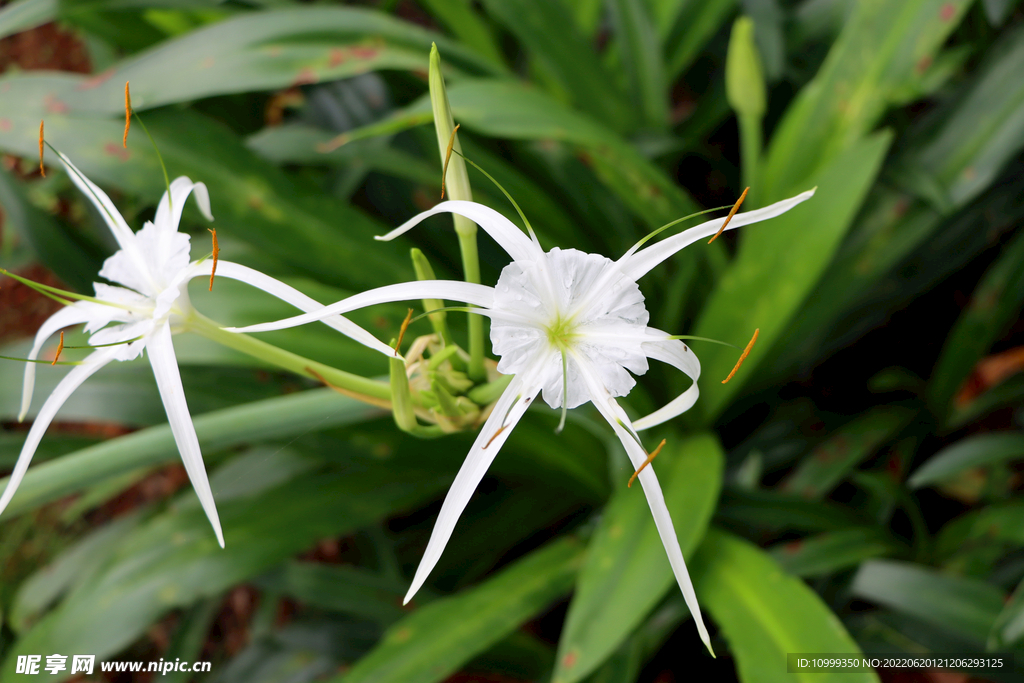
[[572, 304]]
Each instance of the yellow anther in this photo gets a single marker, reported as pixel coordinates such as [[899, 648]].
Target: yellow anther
[[732, 212], [743, 356], [128, 121], [448, 156], [651, 456], [42, 171], [60, 347], [401, 332], [216, 249]]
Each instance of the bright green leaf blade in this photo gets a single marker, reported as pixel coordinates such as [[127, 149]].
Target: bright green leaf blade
[[961, 606], [877, 56], [765, 613], [641, 57], [995, 303], [281, 417], [436, 639], [468, 27], [626, 572], [26, 14], [548, 33], [777, 266], [974, 451], [174, 559], [832, 461], [830, 552]]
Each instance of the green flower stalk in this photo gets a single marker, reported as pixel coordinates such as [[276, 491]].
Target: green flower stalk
[[745, 90]]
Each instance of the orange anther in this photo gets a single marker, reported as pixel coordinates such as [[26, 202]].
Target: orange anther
[[743, 356], [128, 119], [42, 171], [60, 347], [732, 212], [448, 156], [651, 456], [216, 252], [401, 332], [491, 440]]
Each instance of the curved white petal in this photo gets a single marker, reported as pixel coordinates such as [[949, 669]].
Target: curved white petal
[[65, 317], [636, 264], [479, 295], [168, 213], [617, 418], [236, 271], [679, 355], [513, 403], [505, 233], [122, 233], [168, 381], [64, 389]]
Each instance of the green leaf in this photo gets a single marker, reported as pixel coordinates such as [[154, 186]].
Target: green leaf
[[995, 303], [830, 552], [1008, 629], [773, 511], [173, 559], [974, 451], [468, 27], [26, 14], [961, 606], [272, 418], [626, 572], [641, 57], [765, 613], [853, 443], [1000, 524], [549, 35], [436, 639], [878, 55], [686, 27], [778, 265]]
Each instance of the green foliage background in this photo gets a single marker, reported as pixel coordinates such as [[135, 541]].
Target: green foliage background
[[834, 497]]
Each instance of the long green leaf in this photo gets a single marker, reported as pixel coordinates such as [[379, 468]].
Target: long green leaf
[[778, 265], [765, 613], [686, 27], [831, 551], [974, 451], [626, 572], [431, 643], [641, 57], [26, 14]]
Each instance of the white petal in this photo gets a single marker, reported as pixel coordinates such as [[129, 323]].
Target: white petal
[[678, 354], [479, 295], [636, 264], [122, 233], [63, 390], [65, 317], [293, 296], [617, 418], [168, 213], [517, 397], [168, 381], [505, 233]]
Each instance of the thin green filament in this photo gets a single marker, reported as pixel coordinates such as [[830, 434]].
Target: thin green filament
[[529, 227], [676, 222], [159, 157]]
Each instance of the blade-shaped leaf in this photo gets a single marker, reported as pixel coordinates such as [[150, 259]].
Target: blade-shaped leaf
[[626, 572], [831, 551], [974, 451]]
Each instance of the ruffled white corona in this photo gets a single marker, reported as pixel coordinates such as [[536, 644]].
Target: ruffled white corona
[[562, 321], [154, 268]]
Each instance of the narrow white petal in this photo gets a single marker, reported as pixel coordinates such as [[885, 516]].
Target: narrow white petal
[[617, 418], [168, 381], [65, 317], [636, 264], [63, 390], [479, 295], [517, 397], [236, 271], [679, 355], [168, 213], [505, 233]]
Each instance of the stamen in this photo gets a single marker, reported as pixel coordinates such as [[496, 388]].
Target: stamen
[[401, 332], [448, 156], [127, 115], [42, 360], [565, 393], [732, 212], [650, 456], [743, 356], [529, 228], [500, 430], [60, 347], [216, 250], [42, 171]]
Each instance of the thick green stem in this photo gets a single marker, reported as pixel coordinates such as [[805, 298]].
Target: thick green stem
[[359, 387], [471, 264], [750, 150]]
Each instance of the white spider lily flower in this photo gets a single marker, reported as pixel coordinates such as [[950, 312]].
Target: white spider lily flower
[[568, 325], [154, 268]]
